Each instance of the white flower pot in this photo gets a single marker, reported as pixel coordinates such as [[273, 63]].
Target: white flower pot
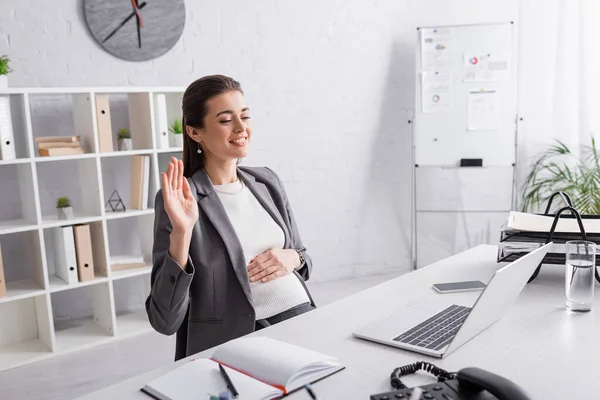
[[3, 81], [65, 213], [178, 139], [125, 145]]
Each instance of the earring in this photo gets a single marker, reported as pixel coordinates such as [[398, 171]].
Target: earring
[[199, 149]]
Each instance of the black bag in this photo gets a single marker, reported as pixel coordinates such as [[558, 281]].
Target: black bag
[[514, 245]]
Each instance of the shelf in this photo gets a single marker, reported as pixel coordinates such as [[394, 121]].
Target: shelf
[[52, 221], [23, 353], [132, 272], [130, 298], [126, 214], [15, 161], [44, 316], [16, 225], [58, 285], [126, 153], [66, 158], [71, 90], [25, 335], [135, 323], [171, 150], [21, 290], [85, 334]]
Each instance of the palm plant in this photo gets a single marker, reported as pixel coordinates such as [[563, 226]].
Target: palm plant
[[580, 179]]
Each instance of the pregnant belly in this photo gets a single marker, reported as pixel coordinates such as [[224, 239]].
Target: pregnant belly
[[271, 298]]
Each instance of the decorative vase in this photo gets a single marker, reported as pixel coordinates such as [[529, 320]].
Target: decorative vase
[[3, 81], [178, 139], [65, 213], [125, 145]]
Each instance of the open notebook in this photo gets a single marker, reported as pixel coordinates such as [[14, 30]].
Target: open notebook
[[259, 368]]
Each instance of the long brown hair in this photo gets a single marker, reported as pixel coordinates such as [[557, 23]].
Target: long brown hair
[[195, 107]]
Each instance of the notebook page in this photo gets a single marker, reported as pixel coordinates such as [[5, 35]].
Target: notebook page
[[201, 378], [313, 372], [267, 359]]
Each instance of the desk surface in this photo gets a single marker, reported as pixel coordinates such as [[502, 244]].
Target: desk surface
[[539, 345]]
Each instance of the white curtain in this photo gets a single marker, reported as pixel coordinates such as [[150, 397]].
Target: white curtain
[[559, 75]]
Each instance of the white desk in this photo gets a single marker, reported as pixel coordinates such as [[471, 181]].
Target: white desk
[[550, 352]]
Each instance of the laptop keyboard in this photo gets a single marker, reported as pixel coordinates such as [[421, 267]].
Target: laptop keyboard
[[437, 331]]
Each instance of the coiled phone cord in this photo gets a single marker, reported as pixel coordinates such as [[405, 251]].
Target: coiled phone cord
[[439, 373]]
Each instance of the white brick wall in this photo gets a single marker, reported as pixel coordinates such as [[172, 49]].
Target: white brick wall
[[330, 84]]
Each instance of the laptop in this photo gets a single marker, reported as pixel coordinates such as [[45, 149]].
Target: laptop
[[438, 332]]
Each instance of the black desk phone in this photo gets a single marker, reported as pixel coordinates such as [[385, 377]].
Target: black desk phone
[[467, 384]]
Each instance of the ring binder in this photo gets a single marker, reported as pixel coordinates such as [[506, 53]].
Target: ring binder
[[7, 143]]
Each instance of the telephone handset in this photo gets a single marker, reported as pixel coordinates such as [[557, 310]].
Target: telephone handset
[[467, 384]]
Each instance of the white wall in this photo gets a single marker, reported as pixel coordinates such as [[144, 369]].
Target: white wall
[[330, 84]]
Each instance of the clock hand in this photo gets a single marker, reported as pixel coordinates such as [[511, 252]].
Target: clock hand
[[138, 32], [137, 11], [124, 22], [138, 20]]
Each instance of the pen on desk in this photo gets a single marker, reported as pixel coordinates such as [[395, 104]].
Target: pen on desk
[[230, 386], [310, 392], [416, 394]]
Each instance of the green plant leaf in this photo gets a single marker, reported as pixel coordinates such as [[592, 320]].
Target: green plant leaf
[[4, 65], [176, 127], [124, 133], [63, 202], [550, 173]]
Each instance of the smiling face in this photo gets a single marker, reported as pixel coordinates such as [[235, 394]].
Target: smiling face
[[227, 127]]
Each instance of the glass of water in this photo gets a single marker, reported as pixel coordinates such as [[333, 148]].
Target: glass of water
[[579, 279]]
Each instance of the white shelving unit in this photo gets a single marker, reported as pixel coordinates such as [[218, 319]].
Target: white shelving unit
[[42, 316]]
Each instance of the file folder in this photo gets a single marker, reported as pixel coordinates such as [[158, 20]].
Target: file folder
[[140, 177], [162, 122], [7, 142], [522, 233], [65, 259], [2, 280], [83, 251], [105, 139]]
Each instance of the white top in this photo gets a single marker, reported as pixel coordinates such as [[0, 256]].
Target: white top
[[257, 231], [535, 345]]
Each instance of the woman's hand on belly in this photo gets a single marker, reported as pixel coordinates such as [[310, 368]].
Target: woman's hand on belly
[[272, 264]]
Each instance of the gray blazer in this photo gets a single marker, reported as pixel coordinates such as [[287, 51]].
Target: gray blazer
[[211, 303]]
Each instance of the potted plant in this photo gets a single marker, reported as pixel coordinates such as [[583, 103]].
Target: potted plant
[[63, 206], [4, 70], [176, 129], [124, 140], [558, 169]]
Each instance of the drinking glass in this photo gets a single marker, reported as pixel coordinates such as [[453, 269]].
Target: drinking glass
[[579, 279]]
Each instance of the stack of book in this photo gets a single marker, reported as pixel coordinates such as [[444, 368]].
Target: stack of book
[[59, 145], [127, 262]]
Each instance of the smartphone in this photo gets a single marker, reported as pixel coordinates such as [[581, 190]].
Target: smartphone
[[453, 287]]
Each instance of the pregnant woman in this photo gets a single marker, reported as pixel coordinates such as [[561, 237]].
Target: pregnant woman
[[227, 255]]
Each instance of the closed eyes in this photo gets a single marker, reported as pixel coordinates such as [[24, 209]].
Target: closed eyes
[[226, 121]]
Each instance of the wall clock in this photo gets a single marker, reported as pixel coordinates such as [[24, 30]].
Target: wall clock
[[135, 30]]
